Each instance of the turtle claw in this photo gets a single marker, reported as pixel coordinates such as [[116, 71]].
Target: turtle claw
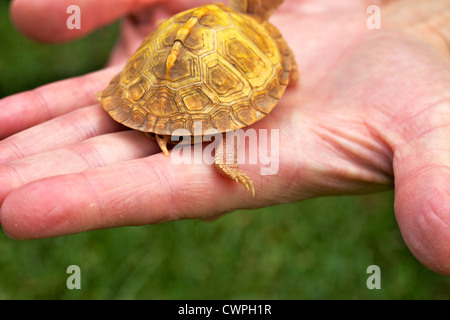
[[237, 175]]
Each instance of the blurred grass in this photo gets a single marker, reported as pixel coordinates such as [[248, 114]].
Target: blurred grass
[[25, 64], [316, 249]]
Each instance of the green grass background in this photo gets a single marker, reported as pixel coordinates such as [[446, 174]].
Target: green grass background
[[316, 249]]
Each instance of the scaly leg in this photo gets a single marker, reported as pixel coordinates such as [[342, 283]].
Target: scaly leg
[[162, 143], [225, 162]]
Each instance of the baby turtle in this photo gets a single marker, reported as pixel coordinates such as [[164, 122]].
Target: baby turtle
[[223, 67]]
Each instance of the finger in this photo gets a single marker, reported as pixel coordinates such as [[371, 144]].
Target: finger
[[92, 153], [135, 192], [23, 110], [46, 20], [422, 194], [70, 128]]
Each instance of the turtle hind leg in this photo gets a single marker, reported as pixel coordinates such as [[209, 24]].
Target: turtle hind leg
[[225, 162], [236, 174]]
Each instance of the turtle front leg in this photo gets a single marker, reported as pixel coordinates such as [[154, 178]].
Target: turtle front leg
[[225, 162]]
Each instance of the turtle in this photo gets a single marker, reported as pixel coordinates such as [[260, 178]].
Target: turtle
[[224, 67]]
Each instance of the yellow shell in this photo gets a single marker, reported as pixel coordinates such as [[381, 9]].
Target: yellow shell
[[210, 64]]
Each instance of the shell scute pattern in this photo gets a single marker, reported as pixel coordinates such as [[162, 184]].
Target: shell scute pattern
[[228, 71]]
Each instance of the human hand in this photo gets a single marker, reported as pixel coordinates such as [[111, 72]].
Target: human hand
[[372, 106]]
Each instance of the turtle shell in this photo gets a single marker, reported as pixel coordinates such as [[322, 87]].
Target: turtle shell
[[209, 64]]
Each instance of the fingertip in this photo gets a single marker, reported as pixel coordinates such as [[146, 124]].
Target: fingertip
[[436, 212], [18, 216], [423, 215], [40, 20], [34, 211]]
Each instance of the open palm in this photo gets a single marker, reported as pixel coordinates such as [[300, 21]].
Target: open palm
[[372, 108]]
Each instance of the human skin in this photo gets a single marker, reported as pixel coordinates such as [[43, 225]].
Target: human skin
[[371, 112]]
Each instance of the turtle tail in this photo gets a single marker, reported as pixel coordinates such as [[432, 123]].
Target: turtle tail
[[260, 8]]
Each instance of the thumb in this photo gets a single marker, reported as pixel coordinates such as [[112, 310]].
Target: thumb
[[422, 194], [46, 20]]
